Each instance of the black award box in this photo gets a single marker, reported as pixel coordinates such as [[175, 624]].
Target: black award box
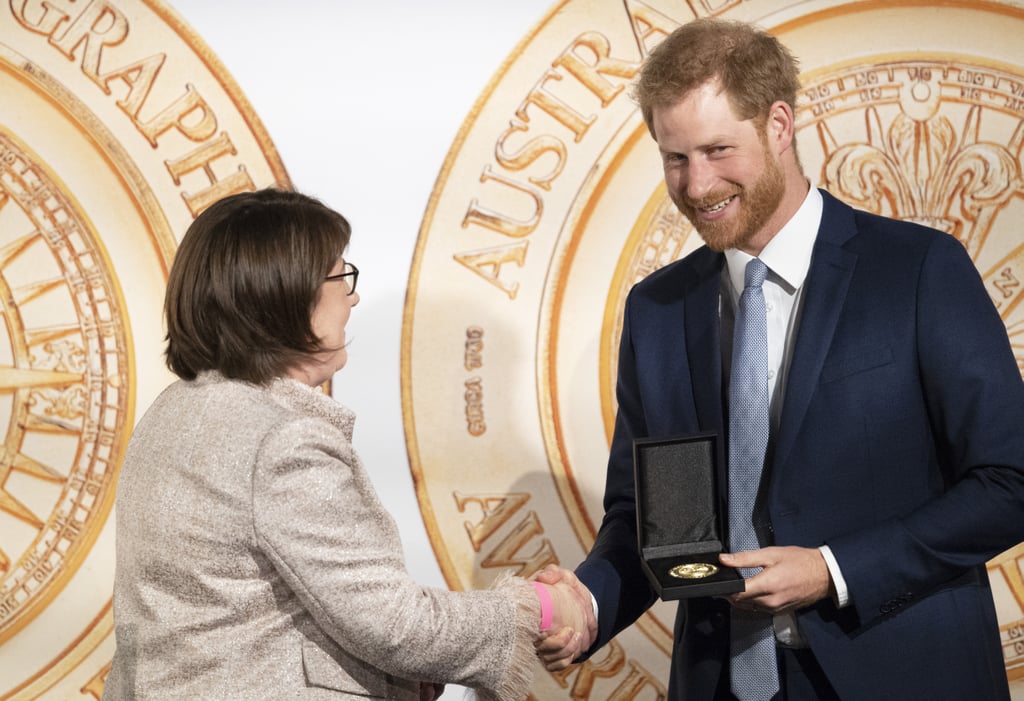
[[679, 513]]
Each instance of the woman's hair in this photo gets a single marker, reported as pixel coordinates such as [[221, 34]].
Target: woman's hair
[[755, 70], [244, 283]]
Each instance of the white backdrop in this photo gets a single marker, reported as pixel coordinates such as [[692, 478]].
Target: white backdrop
[[363, 100]]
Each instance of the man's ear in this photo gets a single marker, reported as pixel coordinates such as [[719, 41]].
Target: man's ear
[[780, 126]]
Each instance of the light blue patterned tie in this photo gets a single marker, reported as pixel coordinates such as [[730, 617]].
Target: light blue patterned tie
[[754, 673]]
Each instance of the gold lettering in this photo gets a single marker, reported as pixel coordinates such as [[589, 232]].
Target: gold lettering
[[592, 670], [506, 554], [94, 687], [201, 158], [474, 396], [592, 74], [497, 510], [647, 23], [173, 117], [570, 118], [97, 26], [530, 152], [45, 23], [1004, 282], [473, 357], [487, 264], [1009, 566], [497, 222], [634, 683], [139, 77]]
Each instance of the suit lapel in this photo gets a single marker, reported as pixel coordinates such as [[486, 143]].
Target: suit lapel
[[824, 296], [704, 342]]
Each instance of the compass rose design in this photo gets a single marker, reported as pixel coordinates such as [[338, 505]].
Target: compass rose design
[[64, 365]]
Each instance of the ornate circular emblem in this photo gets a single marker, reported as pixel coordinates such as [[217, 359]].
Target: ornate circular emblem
[[117, 127], [550, 206]]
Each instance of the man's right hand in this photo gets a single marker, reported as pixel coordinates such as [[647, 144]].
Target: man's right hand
[[574, 626]]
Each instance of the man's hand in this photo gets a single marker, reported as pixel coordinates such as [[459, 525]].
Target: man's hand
[[573, 628], [791, 578]]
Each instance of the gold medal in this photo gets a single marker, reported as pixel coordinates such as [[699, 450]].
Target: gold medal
[[693, 570]]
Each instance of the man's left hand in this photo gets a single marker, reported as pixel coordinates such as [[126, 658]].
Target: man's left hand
[[791, 578]]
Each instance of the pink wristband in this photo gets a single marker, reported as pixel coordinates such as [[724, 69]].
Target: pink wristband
[[545, 605]]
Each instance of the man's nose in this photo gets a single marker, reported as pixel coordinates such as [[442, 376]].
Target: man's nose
[[700, 179]]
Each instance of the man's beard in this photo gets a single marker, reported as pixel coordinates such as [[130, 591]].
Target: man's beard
[[757, 204]]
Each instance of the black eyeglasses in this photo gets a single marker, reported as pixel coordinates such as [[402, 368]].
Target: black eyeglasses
[[351, 271]]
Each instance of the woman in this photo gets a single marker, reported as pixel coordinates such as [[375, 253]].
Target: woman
[[254, 559]]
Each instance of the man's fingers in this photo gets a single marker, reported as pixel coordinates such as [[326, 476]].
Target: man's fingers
[[552, 574], [749, 558]]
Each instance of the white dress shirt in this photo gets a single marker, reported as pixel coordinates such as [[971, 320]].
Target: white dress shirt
[[788, 257]]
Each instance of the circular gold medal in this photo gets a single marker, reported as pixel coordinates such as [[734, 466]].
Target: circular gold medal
[[693, 570]]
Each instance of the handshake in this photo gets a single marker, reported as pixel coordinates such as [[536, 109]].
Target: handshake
[[568, 622]]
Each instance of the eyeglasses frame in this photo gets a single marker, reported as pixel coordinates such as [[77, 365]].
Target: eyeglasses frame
[[350, 271]]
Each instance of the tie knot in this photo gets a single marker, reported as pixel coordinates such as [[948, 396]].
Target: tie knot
[[755, 273]]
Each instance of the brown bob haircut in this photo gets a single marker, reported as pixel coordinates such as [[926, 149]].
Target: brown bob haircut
[[244, 283], [754, 69]]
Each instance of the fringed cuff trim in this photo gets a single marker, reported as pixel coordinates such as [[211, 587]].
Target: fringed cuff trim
[[515, 685]]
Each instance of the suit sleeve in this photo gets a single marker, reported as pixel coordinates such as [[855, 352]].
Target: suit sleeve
[[612, 569], [320, 523], [974, 397]]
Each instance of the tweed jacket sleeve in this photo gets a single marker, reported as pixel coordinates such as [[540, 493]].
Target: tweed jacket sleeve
[[319, 521]]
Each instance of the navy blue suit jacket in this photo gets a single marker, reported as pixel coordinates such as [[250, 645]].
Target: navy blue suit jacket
[[901, 446]]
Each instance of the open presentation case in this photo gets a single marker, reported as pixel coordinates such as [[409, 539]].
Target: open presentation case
[[679, 511]]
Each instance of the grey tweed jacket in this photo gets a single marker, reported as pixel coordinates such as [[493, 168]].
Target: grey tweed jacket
[[255, 561]]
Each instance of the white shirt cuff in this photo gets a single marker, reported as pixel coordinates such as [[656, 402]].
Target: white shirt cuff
[[842, 594]]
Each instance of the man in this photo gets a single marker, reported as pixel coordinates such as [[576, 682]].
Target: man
[[894, 466]]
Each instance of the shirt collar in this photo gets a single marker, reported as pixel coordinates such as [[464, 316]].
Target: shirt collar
[[788, 254]]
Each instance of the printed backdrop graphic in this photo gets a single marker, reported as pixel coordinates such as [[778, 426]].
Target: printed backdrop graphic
[[117, 125], [550, 207], [483, 355]]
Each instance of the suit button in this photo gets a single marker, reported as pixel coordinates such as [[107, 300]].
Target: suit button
[[892, 604]]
